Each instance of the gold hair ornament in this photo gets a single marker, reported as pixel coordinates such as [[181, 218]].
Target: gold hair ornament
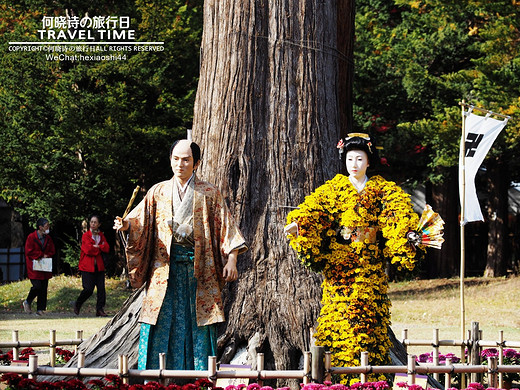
[[365, 136]]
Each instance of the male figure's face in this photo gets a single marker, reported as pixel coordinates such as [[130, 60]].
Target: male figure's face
[[182, 161]]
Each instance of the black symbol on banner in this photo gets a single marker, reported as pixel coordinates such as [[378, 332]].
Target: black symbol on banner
[[472, 143]]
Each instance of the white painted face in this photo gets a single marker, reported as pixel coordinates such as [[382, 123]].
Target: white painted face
[[357, 164]]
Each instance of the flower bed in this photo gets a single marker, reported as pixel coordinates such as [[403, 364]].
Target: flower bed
[[510, 356], [62, 356], [7, 358], [114, 382]]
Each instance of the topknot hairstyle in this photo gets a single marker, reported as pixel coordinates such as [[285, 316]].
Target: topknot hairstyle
[[195, 151]]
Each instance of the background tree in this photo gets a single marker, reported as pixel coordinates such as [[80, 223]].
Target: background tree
[[268, 122], [415, 60], [77, 136]]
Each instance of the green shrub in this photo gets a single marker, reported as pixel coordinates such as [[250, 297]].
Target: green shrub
[[71, 251]]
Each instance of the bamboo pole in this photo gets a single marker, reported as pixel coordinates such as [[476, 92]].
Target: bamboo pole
[[40, 343], [436, 351], [212, 369], [52, 347], [501, 357], [404, 335], [122, 367], [260, 367], [462, 239], [411, 369], [317, 367], [492, 372], [33, 366], [307, 367], [79, 335], [475, 349], [16, 354], [494, 344], [364, 363], [447, 376], [125, 369], [484, 110], [328, 363], [162, 367], [81, 359]]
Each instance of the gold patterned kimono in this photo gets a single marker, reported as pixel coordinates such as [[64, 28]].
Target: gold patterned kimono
[[148, 249]]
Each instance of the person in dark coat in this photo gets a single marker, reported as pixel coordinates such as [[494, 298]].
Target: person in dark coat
[[37, 246], [92, 267]]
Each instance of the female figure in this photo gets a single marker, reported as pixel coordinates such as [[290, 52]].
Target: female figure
[[348, 229], [92, 267], [37, 246]]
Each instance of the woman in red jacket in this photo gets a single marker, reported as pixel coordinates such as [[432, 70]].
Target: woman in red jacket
[[38, 245], [93, 244]]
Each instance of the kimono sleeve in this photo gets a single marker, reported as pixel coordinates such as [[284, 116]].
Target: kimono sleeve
[[140, 239], [316, 219]]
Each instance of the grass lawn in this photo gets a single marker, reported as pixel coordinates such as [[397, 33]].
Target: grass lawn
[[424, 305], [419, 306], [59, 316]]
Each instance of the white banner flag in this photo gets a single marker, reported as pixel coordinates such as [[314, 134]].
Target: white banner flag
[[478, 136]]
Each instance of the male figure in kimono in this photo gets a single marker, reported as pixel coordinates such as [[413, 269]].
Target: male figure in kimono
[[183, 243]]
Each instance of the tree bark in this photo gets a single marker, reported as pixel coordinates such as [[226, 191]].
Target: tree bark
[[497, 213], [266, 116], [346, 32]]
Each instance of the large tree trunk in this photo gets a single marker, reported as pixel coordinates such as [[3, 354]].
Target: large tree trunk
[[346, 32], [266, 116], [497, 213]]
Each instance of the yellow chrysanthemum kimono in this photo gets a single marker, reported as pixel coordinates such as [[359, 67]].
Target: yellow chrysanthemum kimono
[[349, 236]]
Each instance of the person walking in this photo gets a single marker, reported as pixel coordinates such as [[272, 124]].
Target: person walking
[[39, 245], [92, 267]]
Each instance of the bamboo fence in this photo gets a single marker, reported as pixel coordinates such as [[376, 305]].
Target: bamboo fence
[[316, 367]]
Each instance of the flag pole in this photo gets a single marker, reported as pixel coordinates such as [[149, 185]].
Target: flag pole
[[464, 202], [462, 238]]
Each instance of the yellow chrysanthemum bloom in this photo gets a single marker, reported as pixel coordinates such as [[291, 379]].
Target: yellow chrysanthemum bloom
[[350, 237]]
